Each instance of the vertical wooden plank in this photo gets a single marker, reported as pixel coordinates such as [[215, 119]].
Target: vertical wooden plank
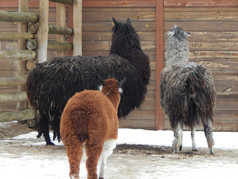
[[22, 27], [70, 25], [43, 31], [60, 21], [159, 124], [77, 25]]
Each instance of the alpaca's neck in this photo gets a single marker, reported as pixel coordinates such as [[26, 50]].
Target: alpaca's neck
[[114, 99], [134, 54], [177, 51], [123, 47], [129, 50]]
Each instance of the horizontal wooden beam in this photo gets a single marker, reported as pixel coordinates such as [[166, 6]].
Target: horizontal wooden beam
[[18, 17], [202, 3], [17, 55], [17, 115], [15, 96], [52, 29], [60, 30], [15, 35], [113, 3], [96, 3], [63, 1], [13, 81], [136, 3], [53, 45], [14, 3], [31, 44]]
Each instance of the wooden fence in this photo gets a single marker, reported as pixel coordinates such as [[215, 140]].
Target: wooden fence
[[213, 42], [33, 44]]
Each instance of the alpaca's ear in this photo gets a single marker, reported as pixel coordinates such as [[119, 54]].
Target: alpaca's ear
[[170, 33], [102, 82], [128, 21], [115, 21], [121, 83], [187, 34]]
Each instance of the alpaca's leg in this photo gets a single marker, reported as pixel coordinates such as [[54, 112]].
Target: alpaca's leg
[[74, 153], [178, 133], [44, 128], [194, 145], [102, 166], [181, 144], [207, 123], [108, 147], [93, 153], [55, 123]]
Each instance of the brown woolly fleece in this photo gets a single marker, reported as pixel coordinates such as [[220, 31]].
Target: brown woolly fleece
[[88, 120]]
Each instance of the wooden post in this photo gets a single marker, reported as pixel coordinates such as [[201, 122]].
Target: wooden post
[[60, 21], [22, 27], [70, 25], [77, 27], [159, 124], [43, 31]]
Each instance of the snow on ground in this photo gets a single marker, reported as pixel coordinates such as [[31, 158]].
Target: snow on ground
[[35, 160], [223, 140]]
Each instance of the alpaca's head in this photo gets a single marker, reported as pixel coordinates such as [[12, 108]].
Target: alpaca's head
[[177, 46], [112, 89], [178, 32], [124, 38]]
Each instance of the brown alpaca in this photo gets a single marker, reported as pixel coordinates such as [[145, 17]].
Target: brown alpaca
[[89, 124]]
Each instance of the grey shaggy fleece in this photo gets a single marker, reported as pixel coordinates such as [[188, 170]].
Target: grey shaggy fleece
[[187, 91]]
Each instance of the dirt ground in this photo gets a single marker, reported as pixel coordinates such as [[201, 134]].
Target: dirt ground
[[137, 161]]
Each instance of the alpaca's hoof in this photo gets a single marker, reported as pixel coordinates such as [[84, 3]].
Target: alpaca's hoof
[[195, 149], [174, 152], [180, 148], [74, 176], [50, 143], [212, 152]]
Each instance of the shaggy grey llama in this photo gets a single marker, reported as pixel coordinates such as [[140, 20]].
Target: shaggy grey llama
[[187, 91]]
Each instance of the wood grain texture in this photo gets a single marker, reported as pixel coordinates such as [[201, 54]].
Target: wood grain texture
[[42, 34]]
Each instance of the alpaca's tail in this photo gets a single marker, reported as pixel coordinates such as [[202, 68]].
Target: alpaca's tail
[[31, 87], [79, 121], [201, 90]]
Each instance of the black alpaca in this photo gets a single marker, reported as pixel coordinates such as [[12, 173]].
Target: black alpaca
[[50, 84]]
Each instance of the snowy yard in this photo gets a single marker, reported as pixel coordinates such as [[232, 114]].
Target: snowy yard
[[147, 154]]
